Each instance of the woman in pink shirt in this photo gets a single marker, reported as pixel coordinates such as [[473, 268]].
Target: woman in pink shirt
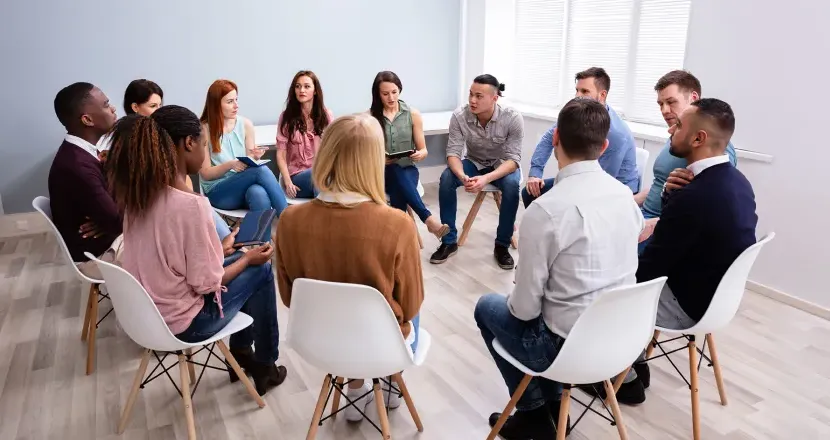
[[197, 282], [299, 130]]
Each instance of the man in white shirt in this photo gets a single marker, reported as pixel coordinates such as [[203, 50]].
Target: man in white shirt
[[576, 242]]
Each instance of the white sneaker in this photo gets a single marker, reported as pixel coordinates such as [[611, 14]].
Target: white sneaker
[[352, 413], [391, 399]]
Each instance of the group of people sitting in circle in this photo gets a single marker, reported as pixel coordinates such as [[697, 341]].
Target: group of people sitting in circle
[[588, 230]]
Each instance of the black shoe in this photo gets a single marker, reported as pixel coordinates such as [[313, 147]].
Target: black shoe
[[526, 425], [503, 258], [444, 251], [631, 393], [644, 373], [553, 409], [267, 376], [244, 357]]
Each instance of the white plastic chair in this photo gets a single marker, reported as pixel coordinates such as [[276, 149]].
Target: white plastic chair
[[724, 306], [366, 342], [234, 214], [91, 321], [642, 162], [141, 320], [297, 200], [471, 216], [605, 340]]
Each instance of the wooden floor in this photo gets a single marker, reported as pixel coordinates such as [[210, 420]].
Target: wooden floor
[[776, 362]]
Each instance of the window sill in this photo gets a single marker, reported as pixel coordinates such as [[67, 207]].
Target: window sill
[[647, 132]]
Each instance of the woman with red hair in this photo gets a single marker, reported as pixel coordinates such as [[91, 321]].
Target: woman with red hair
[[226, 181]]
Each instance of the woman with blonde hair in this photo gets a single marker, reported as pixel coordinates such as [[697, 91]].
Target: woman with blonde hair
[[373, 244]]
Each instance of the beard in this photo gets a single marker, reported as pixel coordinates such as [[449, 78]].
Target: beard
[[677, 150]]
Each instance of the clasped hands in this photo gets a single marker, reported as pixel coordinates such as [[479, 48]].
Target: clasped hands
[[474, 184]]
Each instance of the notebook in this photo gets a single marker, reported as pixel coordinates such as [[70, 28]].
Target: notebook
[[252, 163], [400, 154], [254, 226]]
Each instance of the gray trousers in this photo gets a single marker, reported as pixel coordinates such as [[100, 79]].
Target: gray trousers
[[669, 315]]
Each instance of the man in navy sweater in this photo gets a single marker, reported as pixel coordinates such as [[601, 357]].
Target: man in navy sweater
[[704, 226], [82, 208]]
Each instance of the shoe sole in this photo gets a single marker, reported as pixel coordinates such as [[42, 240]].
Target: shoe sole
[[436, 261], [504, 266]]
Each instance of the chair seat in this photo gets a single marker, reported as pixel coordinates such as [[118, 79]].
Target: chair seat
[[509, 358], [233, 213], [239, 322], [424, 342], [297, 201]]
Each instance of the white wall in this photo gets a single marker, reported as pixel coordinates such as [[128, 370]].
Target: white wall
[[186, 44], [770, 63]]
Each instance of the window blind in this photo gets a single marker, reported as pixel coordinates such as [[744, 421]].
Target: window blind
[[635, 41]]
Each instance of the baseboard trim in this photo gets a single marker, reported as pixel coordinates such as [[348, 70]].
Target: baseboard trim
[[798, 303]]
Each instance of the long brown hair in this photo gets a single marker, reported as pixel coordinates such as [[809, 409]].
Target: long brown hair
[[377, 103], [292, 118], [142, 160], [212, 113]]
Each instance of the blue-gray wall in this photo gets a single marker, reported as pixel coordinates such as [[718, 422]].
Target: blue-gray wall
[[186, 44]]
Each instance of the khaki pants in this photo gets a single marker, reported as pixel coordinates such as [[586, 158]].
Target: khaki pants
[[111, 255]]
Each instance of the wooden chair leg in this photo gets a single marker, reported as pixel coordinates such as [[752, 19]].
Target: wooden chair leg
[[409, 403], [191, 370], [713, 354], [318, 410], [382, 415], [93, 327], [497, 198], [93, 295], [335, 402], [615, 409], [650, 348], [471, 216], [188, 404], [139, 377], [694, 389], [564, 409], [619, 381], [415, 222], [510, 405], [240, 374]]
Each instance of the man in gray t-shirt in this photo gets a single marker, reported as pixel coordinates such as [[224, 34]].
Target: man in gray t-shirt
[[492, 135]]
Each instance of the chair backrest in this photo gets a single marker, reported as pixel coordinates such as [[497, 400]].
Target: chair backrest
[[347, 330], [610, 335], [730, 291], [642, 162], [135, 310], [43, 206]]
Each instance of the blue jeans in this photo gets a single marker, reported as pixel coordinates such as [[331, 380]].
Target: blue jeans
[[416, 327], [253, 293], [528, 198], [303, 181], [530, 342], [448, 201], [402, 189], [642, 246]]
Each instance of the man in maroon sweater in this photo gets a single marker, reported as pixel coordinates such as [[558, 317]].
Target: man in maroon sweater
[[82, 208]]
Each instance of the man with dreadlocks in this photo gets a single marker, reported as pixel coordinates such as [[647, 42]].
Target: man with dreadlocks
[[82, 208]]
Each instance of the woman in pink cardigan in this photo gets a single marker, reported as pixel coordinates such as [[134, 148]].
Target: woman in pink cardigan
[[197, 282]]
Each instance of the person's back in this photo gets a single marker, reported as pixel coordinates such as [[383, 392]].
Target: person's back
[[366, 244], [711, 221], [582, 238]]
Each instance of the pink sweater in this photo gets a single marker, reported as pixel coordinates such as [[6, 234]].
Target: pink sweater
[[174, 252]]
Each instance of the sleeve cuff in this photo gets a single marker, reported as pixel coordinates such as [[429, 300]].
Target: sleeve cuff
[[535, 172]]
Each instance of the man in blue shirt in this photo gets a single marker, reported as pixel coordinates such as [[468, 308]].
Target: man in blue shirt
[[676, 91], [619, 160]]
